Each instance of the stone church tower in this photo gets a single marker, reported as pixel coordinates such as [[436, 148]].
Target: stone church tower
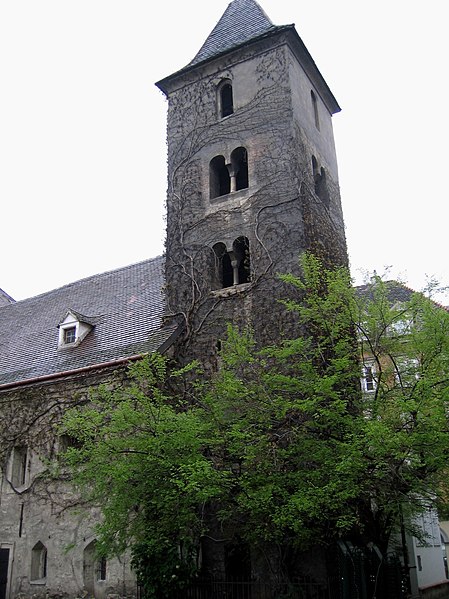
[[252, 177]]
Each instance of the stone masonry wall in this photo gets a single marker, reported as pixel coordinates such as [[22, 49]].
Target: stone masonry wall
[[36, 510], [280, 213]]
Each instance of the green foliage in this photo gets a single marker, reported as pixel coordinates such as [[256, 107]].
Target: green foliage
[[142, 460], [404, 434], [280, 444], [163, 568]]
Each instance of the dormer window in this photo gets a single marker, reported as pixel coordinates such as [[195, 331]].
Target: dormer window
[[70, 335], [73, 329]]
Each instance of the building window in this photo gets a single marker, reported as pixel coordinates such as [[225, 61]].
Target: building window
[[219, 179], [100, 568], [239, 171], [232, 267], [19, 458], [227, 178], [94, 567], [38, 562], [225, 99], [70, 335], [67, 441], [315, 109], [320, 181], [368, 380], [241, 251]]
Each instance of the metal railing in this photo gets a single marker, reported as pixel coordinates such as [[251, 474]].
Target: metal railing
[[254, 590]]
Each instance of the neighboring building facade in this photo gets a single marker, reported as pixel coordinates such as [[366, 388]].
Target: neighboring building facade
[[424, 553], [252, 183]]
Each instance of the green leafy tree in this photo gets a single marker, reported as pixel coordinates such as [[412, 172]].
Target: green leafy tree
[[280, 445]]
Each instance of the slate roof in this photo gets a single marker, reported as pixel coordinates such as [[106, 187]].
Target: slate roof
[[397, 292], [125, 305], [242, 21], [5, 298]]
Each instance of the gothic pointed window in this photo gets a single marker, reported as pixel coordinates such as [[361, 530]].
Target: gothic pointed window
[[225, 99], [39, 562], [219, 179], [239, 162]]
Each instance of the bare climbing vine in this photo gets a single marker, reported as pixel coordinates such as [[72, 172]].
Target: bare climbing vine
[[280, 213]]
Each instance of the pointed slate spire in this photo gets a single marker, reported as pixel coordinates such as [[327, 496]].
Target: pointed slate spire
[[242, 21]]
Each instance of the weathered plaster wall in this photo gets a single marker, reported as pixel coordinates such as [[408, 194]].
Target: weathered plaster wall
[[46, 511]]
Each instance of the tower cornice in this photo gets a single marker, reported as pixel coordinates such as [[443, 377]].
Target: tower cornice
[[278, 34]]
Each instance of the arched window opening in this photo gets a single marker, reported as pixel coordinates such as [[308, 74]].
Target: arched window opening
[[239, 176], [94, 567], [219, 180], [227, 271], [39, 562], [233, 267], [241, 252], [323, 189], [320, 181], [315, 109], [226, 100]]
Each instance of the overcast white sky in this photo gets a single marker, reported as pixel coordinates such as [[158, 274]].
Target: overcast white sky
[[82, 129]]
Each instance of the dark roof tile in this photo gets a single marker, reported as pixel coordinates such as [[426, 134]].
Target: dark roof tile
[[242, 21]]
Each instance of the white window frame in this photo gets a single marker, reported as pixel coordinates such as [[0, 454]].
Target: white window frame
[[71, 321], [368, 380]]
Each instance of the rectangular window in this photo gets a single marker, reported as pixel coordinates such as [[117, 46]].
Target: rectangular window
[[70, 335], [101, 568], [368, 380]]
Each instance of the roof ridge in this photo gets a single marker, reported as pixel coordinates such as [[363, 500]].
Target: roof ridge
[[86, 279]]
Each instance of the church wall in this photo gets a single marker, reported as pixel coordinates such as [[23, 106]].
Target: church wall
[[39, 514]]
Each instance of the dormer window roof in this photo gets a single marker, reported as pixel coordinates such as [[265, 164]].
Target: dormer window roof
[[73, 328]]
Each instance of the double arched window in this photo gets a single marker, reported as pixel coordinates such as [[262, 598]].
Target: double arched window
[[228, 177], [232, 267]]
